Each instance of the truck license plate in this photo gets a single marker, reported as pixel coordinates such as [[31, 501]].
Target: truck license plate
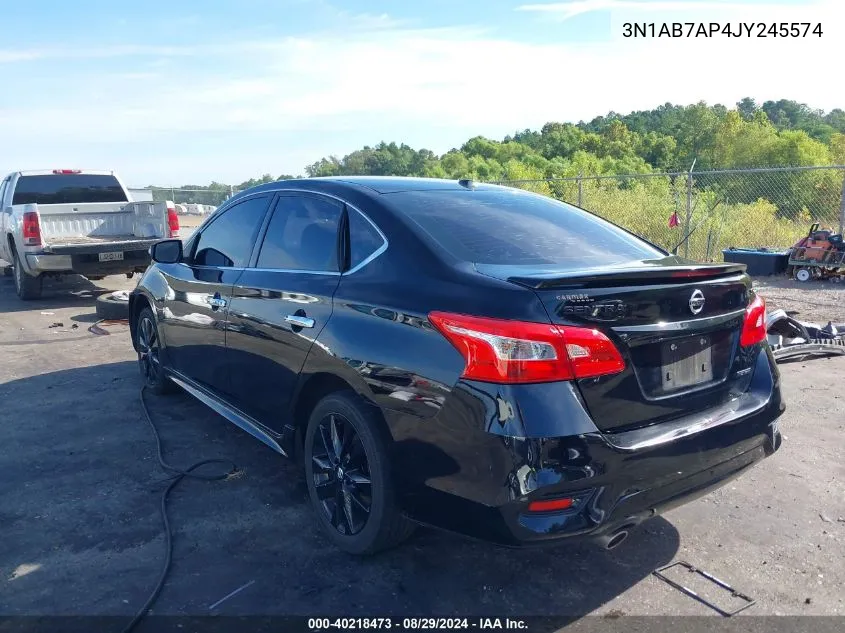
[[687, 362], [113, 256]]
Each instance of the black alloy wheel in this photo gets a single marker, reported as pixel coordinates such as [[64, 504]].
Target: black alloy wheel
[[148, 346], [347, 453], [341, 474]]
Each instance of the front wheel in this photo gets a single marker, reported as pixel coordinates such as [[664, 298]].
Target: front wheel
[[348, 476], [27, 286], [149, 354]]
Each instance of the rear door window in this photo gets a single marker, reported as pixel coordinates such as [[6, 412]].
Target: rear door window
[[228, 240], [364, 239], [68, 189], [302, 235], [513, 227]]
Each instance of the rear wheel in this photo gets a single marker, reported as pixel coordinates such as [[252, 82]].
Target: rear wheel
[[27, 286], [149, 354], [803, 274], [348, 476]]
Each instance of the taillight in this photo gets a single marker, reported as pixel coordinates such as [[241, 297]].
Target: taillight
[[31, 229], [550, 505], [172, 220], [754, 326], [503, 351]]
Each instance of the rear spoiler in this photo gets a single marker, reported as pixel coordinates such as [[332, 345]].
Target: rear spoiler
[[631, 276]]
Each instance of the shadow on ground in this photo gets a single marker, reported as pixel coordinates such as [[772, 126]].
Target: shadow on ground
[[68, 292], [80, 506]]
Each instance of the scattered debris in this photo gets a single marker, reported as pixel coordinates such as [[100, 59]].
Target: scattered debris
[[75, 326], [56, 324], [807, 600], [235, 592], [791, 338], [825, 518], [692, 594], [48, 313], [99, 331]]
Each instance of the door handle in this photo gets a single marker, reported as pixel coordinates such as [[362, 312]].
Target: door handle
[[299, 321]]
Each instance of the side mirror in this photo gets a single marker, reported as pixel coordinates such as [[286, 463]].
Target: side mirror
[[167, 251]]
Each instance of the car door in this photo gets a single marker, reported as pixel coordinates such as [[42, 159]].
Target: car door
[[280, 305], [193, 320]]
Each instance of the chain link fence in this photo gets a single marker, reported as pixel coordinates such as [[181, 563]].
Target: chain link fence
[[212, 197], [702, 213], [696, 214]]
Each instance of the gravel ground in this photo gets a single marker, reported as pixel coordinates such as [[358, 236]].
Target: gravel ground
[[815, 301], [80, 489]]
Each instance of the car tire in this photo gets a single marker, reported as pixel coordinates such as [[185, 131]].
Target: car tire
[[147, 344], [27, 286], [354, 496], [111, 308]]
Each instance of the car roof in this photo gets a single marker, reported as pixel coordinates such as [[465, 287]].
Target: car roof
[[373, 184]]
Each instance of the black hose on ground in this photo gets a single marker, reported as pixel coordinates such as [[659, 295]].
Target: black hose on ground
[[177, 476]]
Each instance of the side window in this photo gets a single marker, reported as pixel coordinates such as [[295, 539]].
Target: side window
[[364, 239], [302, 235], [228, 240]]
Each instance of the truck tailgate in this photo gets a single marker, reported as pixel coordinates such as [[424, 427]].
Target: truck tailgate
[[97, 224]]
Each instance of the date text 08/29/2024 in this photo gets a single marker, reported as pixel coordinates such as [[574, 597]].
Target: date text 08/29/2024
[[416, 624]]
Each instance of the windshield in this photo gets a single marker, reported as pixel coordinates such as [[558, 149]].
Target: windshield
[[68, 189], [518, 228]]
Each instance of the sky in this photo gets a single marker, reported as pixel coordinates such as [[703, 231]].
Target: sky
[[171, 93]]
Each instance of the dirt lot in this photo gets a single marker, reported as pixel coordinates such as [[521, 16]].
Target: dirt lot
[[82, 535]]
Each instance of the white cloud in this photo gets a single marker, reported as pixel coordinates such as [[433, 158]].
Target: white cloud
[[705, 9], [426, 87]]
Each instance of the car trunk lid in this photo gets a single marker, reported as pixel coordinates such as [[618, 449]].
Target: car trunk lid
[[676, 323]]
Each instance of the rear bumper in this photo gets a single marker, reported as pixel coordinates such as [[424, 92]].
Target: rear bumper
[[85, 259], [616, 480]]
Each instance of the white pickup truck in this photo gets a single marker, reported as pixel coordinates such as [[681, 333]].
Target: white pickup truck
[[66, 221]]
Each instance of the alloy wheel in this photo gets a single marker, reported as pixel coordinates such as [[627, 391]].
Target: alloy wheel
[[341, 474], [148, 351]]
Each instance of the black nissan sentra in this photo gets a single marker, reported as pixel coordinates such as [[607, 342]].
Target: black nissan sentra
[[466, 356]]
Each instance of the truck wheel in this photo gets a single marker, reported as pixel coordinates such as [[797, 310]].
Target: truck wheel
[[112, 307], [803, 274], [27, 286]]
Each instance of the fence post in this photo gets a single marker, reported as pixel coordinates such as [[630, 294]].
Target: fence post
[[580, 190], [689, 212], [842, 205]]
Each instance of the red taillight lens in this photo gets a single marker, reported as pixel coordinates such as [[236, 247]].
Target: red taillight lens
[[172, 220], [31, 229], [549, 505], [754, 326], [497, 350]]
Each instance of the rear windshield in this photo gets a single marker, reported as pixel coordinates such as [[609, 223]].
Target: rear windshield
[[68, 189], [519, 228]]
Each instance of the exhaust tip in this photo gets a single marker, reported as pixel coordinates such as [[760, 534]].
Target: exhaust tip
[[616, 540]]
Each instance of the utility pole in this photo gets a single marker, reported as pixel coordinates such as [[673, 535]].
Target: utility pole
[[689, 208], [842, 205]]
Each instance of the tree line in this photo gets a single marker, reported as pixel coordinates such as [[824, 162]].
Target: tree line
[[667, 138]]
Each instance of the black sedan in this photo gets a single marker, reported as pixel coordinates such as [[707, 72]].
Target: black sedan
[[476, 358]]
